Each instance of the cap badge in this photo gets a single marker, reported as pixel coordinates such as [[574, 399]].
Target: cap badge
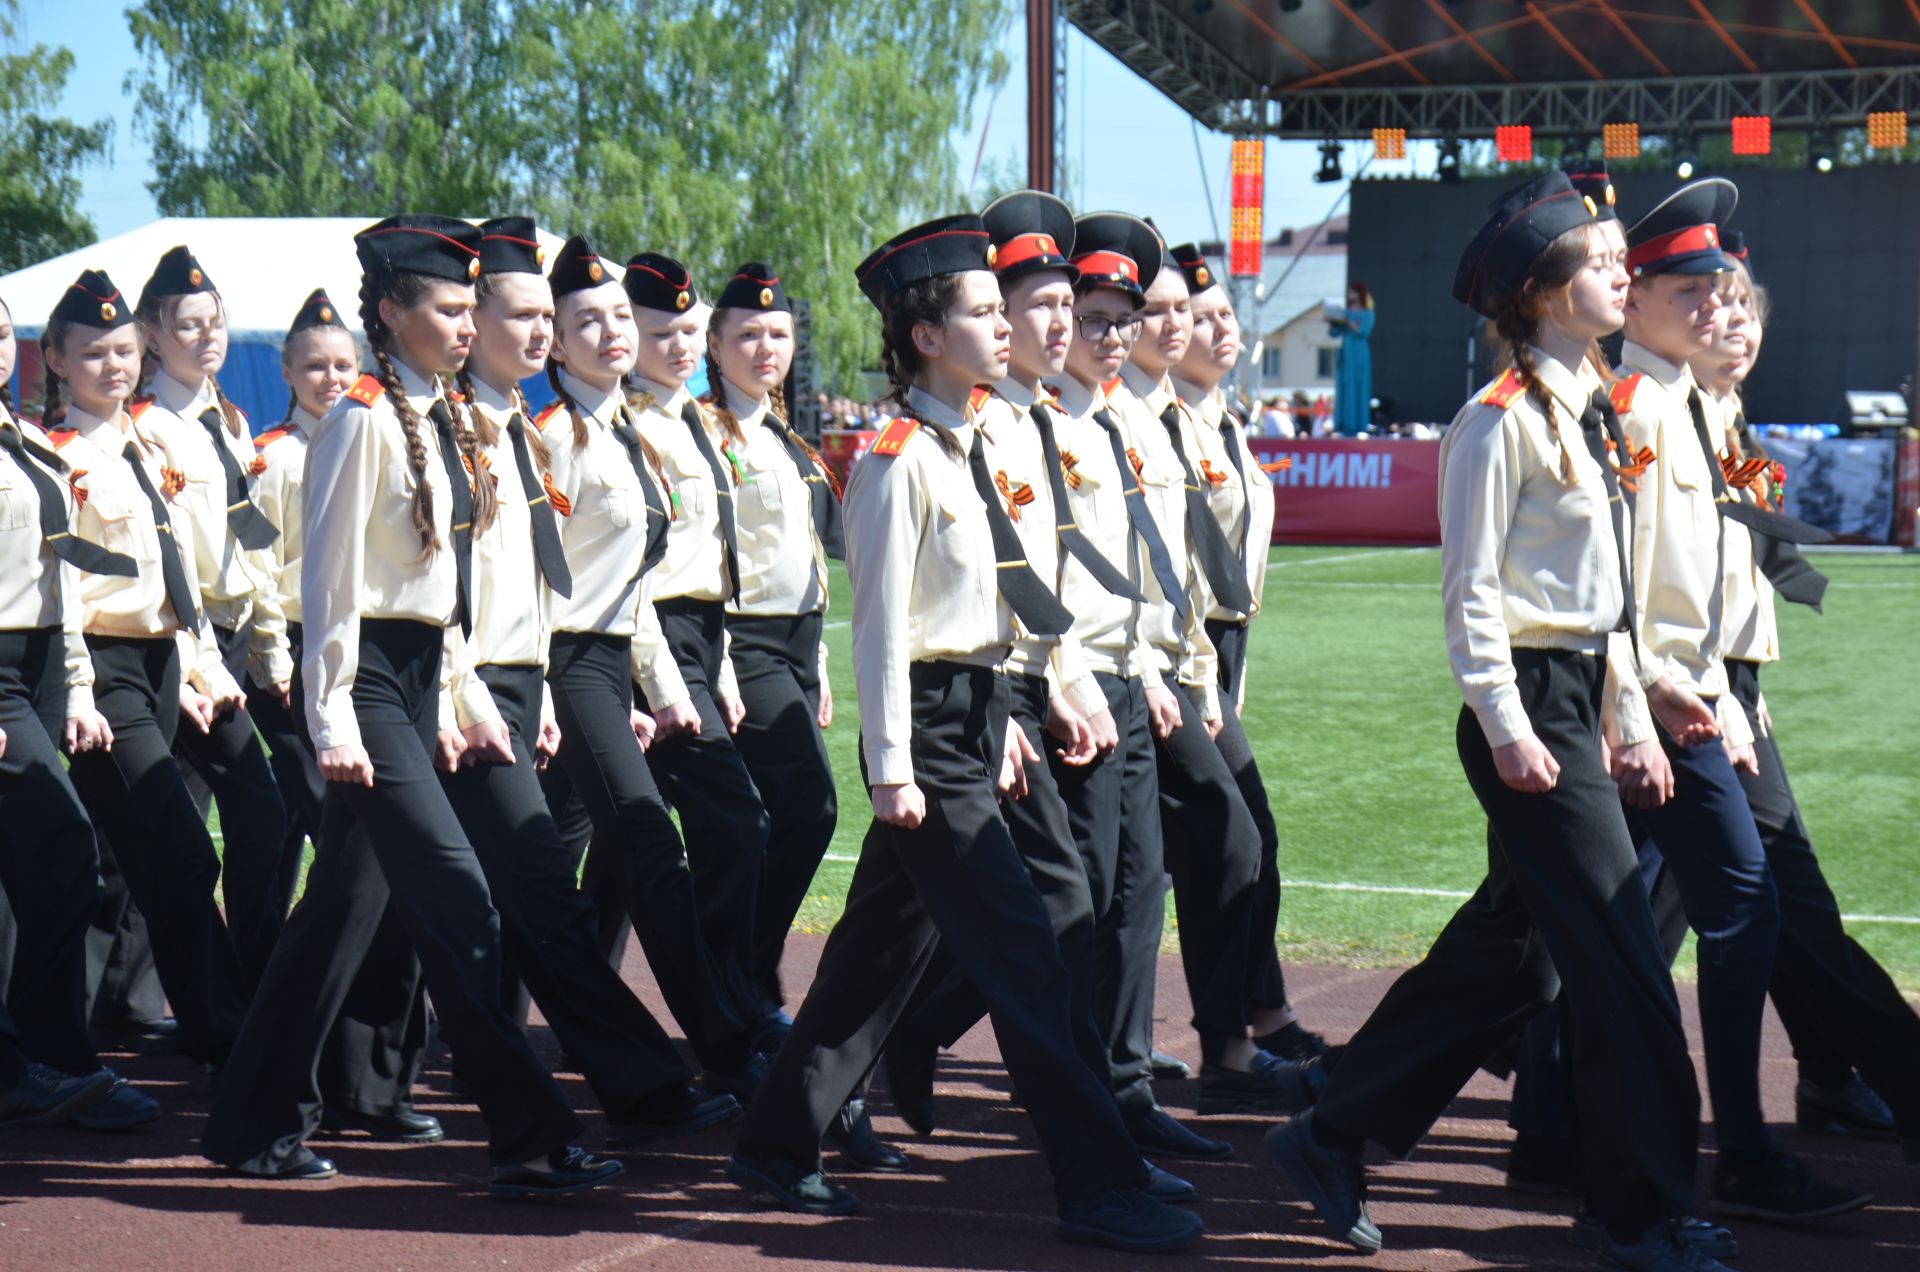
[[326, 314], [107, 310], [682, 300], [539, 255], [766, 297], [1203, 277], [1046, 245], [993, 254], [1713, 238], [594, 272], [1123, 269], [1593, 209], [196, 277], [1609, 194], [473, 268]]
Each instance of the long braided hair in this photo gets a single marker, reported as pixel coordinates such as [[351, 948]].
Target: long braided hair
[[776, 397], [154, 316], [1517, 315], [405, 290], [924, 301], [484, 429], [52, 336]]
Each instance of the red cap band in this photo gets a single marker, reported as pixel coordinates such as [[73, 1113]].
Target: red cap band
[[1102, 264], [1025, 247], [1693, 238]]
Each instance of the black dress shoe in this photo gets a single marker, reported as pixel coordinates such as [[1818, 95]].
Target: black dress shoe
[[124, 1108], [1269, 1084], [304, 1165], [740, 1083], [852, 1133], [569, 1170], [1292, 1041], [1156, 1134], [807, 1192], [772, 1031], [1540, 1166], [1779, 1188], [149, 1037], [680, 1110], [1127, 1219], [1588, 1233], [1166, 1186], [47, 1095], [1853, 1109], [1333, 1181], [404, 1127], [1665, 1247], [1168, 1068], [911, 1061]]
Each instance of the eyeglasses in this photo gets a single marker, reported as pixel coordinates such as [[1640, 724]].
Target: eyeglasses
[[1095, 327]]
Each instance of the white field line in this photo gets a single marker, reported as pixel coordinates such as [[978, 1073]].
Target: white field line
[[1451, 894], [1345, 556]]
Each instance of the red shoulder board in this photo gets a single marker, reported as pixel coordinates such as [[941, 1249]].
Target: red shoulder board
[[540, 420], [1503, 391], [61, 436], [893, 439], [271, 436], [1621, 394], [367, 390], [979, 397], [138, 407]]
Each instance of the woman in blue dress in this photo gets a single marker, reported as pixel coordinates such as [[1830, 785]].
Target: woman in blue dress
[[1353, 383]]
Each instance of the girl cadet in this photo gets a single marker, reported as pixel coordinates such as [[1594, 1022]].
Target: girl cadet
[[700, 772], [49, 870], [1241, 499], [1533, 562], [938, 579], [1841, 1010], [153, 660], [390, 509], [183, 324], [606, 641], [787, 523], [319, 361], [546, 924]]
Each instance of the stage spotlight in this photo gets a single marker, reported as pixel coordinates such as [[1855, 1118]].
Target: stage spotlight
[[1449, 169], [1290, 6], [1329, 161], [1686, 157], [1820, 150]]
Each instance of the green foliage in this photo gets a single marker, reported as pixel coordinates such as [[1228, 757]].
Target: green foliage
[[41, 153], [800, 132]]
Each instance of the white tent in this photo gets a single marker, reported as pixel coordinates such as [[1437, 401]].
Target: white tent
[[264, 267]]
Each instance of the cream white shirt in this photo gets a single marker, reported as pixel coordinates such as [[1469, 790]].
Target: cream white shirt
[[358, 530], [115, 513], [604, 534], [276, 476], [1186, 652], [1245, 514], [694, 567], [925, 580], [37, 588], [1106, 627], [1753, 631], [783, 567], [1529, 558], [1679, 580]]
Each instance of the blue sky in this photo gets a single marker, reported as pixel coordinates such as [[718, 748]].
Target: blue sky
[[1129, 147]]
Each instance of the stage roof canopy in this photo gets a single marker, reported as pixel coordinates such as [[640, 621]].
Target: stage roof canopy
[[1438, 68]]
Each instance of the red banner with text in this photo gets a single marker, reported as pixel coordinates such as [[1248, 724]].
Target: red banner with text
[[1342, 490]]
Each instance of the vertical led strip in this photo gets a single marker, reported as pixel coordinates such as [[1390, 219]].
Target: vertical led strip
[[1248, 198]]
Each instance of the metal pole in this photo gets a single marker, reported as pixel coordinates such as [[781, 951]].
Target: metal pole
[[1041, 89]]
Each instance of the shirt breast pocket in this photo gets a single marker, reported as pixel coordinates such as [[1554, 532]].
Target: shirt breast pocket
[[767, 487], [620, 504], [19, 504], [123, 528]]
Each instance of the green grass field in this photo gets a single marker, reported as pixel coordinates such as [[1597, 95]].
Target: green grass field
[[1351, 711]]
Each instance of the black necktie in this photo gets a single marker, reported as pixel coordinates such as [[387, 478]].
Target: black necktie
[[252, 529], [1225, 574], [173, 571], [1140, 517], [1719, 480], [1071, 538], [546, 531], [1230, 439], [656, 547], [1600, 424], [722, 492], [1791, 574], [1038, 609], [462, 509], [82, 554], [826, 509]]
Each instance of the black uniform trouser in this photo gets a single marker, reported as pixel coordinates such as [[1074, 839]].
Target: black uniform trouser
[[48, 865], [1113, 807], [704, 780], [643, 869], [777, 662], [1562, 903], [290, 751], [545, 920], [1268, 986], [1707, 836], [947, 1004], [123, 985], [1213, 852], [1836, 1001], [400, 834], [957, 878], [229, 759], [136, 795]]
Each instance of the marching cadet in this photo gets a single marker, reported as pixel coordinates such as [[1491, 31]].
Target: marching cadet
[[547, 925], [391, 509], [1706, 833], [1032, 237], [49, 869], [153, 660], [1240, 496], [606, 643], [786, 510], [938, 579], [1840, 1008], [693, 756], [183, 323], [1534, 564], [1213, 846]]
